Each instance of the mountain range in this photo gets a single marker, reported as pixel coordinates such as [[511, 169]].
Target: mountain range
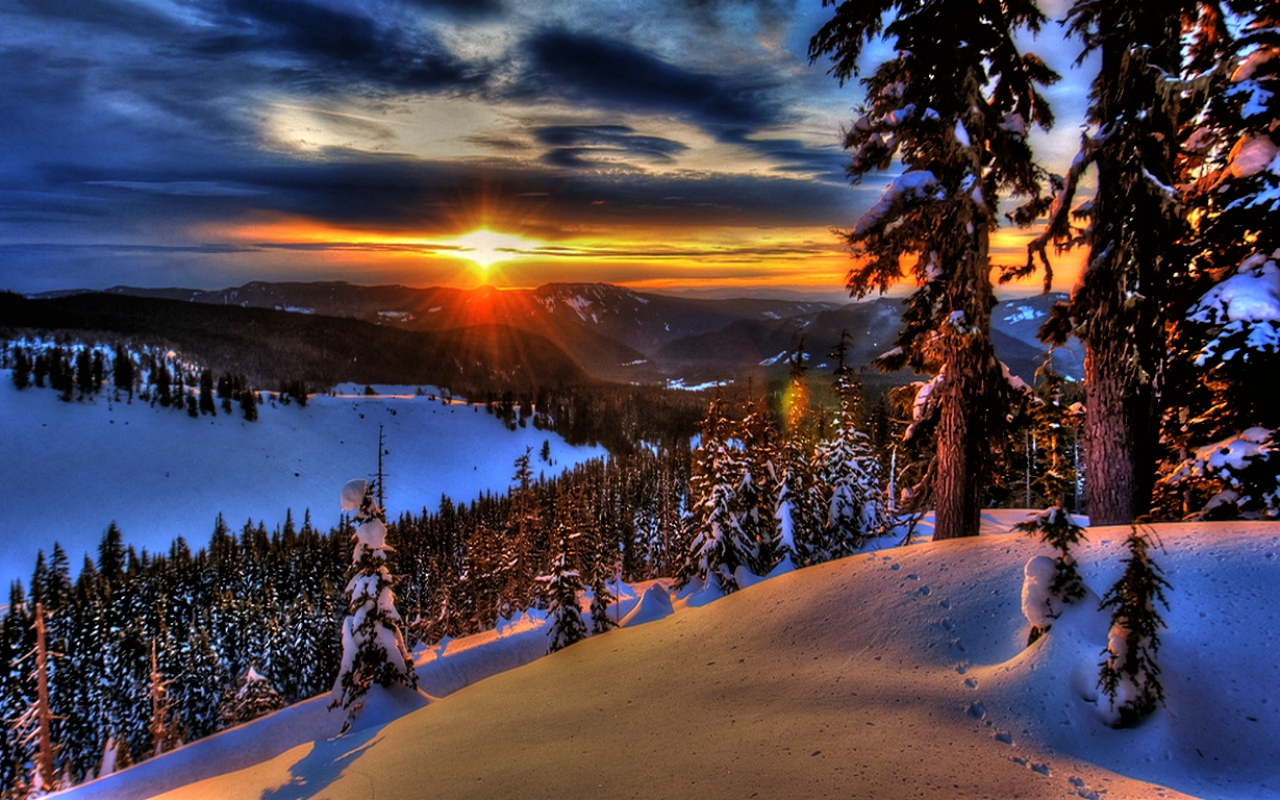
[[614, 333]]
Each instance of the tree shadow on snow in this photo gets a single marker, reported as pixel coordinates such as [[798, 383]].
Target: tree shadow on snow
[[324, 764]]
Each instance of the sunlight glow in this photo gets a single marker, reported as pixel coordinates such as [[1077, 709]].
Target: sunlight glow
[[486, 248]]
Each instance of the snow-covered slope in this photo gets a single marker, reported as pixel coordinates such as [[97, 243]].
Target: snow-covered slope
[[69, 469], [898, 673]]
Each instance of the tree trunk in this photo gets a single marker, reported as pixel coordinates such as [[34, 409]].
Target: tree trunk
[[1119, 432], [959, 466]]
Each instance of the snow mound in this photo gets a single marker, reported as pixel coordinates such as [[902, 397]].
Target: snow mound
[[654, 604], [900, 672]]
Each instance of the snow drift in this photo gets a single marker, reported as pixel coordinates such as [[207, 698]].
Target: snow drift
[[898, 673]]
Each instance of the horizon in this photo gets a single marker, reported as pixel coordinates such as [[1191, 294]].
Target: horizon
[[663, 146]]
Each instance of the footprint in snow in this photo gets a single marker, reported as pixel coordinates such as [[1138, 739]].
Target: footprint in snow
[[896, 567], [972, 683], [1004, 737], [924, 591], [976, 710]]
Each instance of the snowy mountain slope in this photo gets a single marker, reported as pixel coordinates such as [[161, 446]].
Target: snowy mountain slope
[[898, 673], [75, 467]]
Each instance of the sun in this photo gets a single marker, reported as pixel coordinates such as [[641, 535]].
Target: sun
[[485, 248]]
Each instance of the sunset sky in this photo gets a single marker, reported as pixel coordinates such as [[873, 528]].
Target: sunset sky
[[662, 144]]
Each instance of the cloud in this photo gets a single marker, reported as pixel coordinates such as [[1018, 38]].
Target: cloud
[[337, 46], [182, 188], [584, 146], [608, 73]]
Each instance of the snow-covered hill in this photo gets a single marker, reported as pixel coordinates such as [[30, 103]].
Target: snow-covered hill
[[891, 674], [71, 468]]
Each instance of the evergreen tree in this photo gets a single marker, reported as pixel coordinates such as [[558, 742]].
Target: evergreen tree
[[1051, 432], [373, 649], [953, 106], [84, 372], [1220, 418], [718, 546], [602, 568], [250, 697], [160, 377], [856, 507], [1129, 676], [563, 584], [1134, 224], [798, 506], [249, 405], [97, 372], [122, 372], [21, 369], [207, 405]]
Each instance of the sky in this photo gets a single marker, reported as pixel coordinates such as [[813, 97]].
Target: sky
[[659, 144]]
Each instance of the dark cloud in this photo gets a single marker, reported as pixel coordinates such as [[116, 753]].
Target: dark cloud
[[464, 9], [613, 74], [581, 146], [336, 46]]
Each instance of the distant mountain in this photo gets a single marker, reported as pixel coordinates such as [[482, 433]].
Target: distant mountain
[[616, 334], [267, 344]]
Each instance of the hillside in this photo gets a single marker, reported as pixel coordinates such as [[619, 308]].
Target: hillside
[[160, 474], [891, 674], [616, 334], [270, 345]]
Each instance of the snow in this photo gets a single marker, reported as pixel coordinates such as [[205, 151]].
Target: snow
[[908, 187], [900, 672], [1250, 295], [1251, 155], [1039, 605], [161, 474], [771, 360], [1023, 314], [962, 134]]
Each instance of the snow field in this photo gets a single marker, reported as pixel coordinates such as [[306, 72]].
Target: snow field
[[896, 673], [161, 474]]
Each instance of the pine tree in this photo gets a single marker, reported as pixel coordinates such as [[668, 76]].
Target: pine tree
[[856, 507], [1129, 676], [207, 405], [953, 106], [21, 369], [1220, 418], [718, 546], [249, 405], [1134, 224], [797, 509], [122, 372], [250, 697], [373, 649], [1052, 431], [563, 583]]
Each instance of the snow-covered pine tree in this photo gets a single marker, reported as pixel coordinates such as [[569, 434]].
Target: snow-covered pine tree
[[755, 491], [373, 649], [1129, 674], [856, 505], [563, 583], [1052, 432], [524, 537], [247, 699], [953, 105], [798, 505], [717, 546], [1221, 418], [1134, 224], [603, 567], [122, 372]]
